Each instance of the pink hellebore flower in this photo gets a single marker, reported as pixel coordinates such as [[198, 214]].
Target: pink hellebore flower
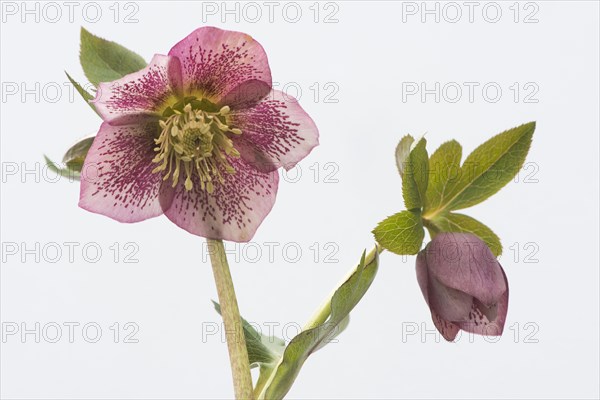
[[197, 135], [463, 284]]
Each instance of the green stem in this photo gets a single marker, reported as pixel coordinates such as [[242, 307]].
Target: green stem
[[431, 228], [232, 322], [323, 312]]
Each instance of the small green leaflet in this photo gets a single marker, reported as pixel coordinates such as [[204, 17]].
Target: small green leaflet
[[261, 349], [106, 61], [415, 176], [444, 173], [484, 172], [345, 298], [402, 233], [75, 156], [87, 96], [64, 172], [72, 160], [454, 222], [402, 152]]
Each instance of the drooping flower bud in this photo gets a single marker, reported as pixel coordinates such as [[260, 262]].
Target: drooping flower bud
[[463, 284]]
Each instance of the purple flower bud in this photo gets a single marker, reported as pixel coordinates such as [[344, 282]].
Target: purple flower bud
[[463, 284]]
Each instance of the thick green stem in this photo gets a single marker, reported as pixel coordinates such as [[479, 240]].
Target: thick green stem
[[232, 322], [324, 311]]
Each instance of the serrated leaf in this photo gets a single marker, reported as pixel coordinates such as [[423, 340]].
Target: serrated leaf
[[454, 222], [106, 61], [415, 176], [263, 351], [87, 96], [345, 298], [402, 233], [444, 173], [487, 169], [402, 152]]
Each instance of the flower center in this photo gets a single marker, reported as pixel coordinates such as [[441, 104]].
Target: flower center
[[194, 138]]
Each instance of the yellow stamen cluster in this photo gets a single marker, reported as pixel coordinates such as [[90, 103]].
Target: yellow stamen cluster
[[195, 141]]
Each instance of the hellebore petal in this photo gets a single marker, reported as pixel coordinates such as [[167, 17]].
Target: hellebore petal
[[117, 179], [482, 323], [277, 132], [145, 92], [233, 211], [445, 327], [464, 262], [215, 62]]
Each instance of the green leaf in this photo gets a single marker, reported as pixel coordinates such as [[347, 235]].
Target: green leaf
[[444, 173], [72, 160], [402, 152], [401, 233], [75, 155], [106, 61], [415, 176], [262, 350], [345, 298], [87, 96], [454, 222], [64, 172], [487, 169]]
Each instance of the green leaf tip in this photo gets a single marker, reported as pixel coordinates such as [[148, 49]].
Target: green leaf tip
[[402, 152], [483, 173], [415, 175], [106, 61], [87, 96]]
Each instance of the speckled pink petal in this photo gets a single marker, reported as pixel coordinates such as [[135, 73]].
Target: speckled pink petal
[[145, 92], [446, 328], [233, 211], [276, 132], [464, 262], [217, 64], [488, 321], [117, 179]]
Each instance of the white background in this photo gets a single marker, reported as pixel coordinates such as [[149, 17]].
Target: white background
[[550, 346]]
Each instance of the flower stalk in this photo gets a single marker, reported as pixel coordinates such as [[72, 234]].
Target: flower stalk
[[234, 333]]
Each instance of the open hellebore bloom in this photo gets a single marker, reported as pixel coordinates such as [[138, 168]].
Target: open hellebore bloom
[[197, 135], [463, 284]]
